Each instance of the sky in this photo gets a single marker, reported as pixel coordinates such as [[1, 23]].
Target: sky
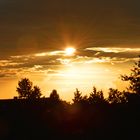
[[34, 35]]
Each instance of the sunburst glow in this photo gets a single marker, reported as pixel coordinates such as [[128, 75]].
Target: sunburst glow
[[70, 51]]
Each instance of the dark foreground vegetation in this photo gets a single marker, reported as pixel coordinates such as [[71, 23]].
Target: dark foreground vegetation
[[30, 116]]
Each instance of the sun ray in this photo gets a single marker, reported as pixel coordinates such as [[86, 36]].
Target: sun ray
[[70, 51]]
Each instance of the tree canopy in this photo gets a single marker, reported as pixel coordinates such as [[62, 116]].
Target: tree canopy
[[133, 78], [26, 90]]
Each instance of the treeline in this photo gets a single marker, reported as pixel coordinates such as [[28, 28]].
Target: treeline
[[26, 90], [29, 116]]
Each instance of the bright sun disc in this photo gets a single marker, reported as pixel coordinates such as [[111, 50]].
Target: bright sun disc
[[70, 51]]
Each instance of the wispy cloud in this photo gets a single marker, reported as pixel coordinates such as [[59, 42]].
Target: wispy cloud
[[8, 63], [48, 62], [51, 53], [114, 50]]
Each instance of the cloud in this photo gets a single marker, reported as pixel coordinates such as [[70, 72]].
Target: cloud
[[51, 62], [100, 60], [114, 50], [8, 73], [2, 75], [33, 64]]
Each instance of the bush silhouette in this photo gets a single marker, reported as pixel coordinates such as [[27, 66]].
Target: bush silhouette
[[54, 96]]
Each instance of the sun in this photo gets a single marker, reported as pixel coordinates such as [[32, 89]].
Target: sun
[[70, 51]]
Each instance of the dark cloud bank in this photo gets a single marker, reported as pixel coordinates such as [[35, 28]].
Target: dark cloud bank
[[36, 26]]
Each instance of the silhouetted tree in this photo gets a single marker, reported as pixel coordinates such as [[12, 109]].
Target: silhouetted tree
[[77, 96], [54, 95], [25, 90], [85, 98], [96, 97], [36, 93], [133, 79], [116, 96]]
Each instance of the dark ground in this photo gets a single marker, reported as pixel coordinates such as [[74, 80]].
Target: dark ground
[[44, 119]]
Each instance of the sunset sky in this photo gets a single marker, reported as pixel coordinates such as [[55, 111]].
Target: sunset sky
[[34, 36]]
